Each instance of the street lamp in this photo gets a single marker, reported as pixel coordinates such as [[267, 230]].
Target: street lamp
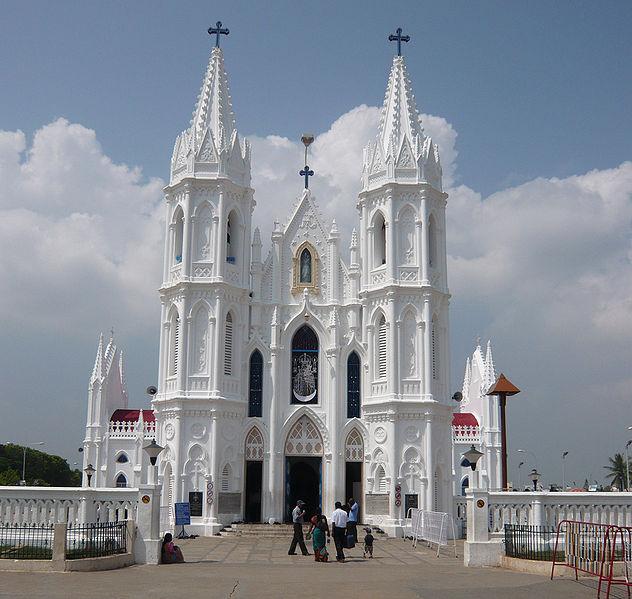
[[153, 451], [23, 481], [564, 470], [520, 476], [535, 459], [472, 455], [89, 470], [534, 475]]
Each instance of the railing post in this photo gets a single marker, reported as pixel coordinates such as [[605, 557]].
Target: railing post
[[537, 511], [479, 550], [59, 546], [147, 542]]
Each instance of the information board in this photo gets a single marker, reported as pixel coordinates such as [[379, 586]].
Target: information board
[[195, 501], [410, 501], [376, 504], [229, 503], [183, 514]]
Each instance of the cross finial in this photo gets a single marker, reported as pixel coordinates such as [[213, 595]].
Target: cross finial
[[307, 173], [399, 38], [112, 333], [217, 31]]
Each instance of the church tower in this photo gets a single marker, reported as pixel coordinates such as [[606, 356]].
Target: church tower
[[405, 299], [204, 295]]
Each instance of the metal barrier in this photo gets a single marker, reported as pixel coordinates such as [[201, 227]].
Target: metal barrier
[[26, 542], [529, 542], [431, 527], [96, 540]]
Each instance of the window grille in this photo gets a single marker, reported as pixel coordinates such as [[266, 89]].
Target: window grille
[[381, 349], [353, 386], [226, 472], [254, 445], [255, 389]]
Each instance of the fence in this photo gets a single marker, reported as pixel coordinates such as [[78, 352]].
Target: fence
[[432, 527], [26, 542], [529, 542], [96, 540]]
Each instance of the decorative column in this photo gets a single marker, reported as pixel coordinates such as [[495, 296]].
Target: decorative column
[[217, 350], [220, 251], [169, 228], [391, 231], [427, 320], [213, 467], [334, 263], [215, 236], [186, 234], [392, 353], [425, 247], [273, 503], [429, 459]]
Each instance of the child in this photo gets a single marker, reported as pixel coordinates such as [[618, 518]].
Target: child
[[368, 543]]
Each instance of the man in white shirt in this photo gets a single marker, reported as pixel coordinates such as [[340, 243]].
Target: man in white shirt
[[298, 513], [339, 525]]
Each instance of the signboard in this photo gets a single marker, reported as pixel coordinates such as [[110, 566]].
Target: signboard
[[183, 514], [410, 501], [229, 503], [195, 501], [376, 504]]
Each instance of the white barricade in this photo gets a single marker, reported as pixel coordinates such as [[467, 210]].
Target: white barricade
[[431, 527]]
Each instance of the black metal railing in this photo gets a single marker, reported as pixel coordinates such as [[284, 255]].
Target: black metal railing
[[530, 542], [20, 541], [96, 540]]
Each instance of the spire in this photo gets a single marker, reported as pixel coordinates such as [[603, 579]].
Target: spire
[[490, 373], [354, 240], [401, 152], [467, 379], [97, 370], [333, 233]]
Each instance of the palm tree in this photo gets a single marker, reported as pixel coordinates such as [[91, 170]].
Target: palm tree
[[617, 471]]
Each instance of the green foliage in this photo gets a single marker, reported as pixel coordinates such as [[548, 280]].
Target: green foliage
[[617, 471], [42, 469]]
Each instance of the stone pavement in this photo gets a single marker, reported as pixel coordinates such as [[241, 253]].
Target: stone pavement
[[260, 568]]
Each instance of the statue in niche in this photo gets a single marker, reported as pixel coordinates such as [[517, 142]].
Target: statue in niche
[[202, 352], [410, 346], [305, 273]]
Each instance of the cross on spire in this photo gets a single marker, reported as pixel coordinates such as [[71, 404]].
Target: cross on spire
[[217, 31], [399, 38], [307, 173]]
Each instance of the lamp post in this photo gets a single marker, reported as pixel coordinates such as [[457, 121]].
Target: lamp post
[[153, 451], [24, 448], [89, 470], [535, 458], [564, 470], [473, 455], [504, 388], [534, 475], [520, 476]]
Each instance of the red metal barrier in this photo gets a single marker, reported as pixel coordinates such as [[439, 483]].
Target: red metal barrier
[[591, 548]]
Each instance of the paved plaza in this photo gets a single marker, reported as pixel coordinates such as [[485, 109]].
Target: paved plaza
[[260, 568]]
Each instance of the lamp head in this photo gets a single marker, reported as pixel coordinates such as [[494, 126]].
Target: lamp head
[[153, 451], [89, 470], [307, 139], [472, 455]]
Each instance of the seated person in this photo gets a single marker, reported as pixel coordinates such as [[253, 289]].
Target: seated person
[[170, 553]]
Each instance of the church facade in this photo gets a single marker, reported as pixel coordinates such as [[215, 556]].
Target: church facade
[[315, 372]]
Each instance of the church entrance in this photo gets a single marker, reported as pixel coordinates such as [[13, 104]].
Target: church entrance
[[354, 458], [303, 480], [254, 478]]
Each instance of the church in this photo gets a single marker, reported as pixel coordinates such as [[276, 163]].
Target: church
[[315, 371]]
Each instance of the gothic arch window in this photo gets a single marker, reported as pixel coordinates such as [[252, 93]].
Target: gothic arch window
[[255, 386], [353, 385], [121, 481], [434, 342], [174, 343], [379, 240], [432, 242], [254, 445], [305, 268], [304, 439], [465, 483], [178, 235], [380, 348], [232, 237], [380, 484], [227, 472], [122, 458], [228, 345], [304, 367], [354, 446]]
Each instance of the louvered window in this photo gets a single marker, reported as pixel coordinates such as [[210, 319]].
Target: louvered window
[[380, 480], [353, 386], [226, 472], [175, 342], [435, 352], [381, 349], [228, 345]]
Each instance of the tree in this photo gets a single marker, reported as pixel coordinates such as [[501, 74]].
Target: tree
[[617, 471], [9, 477], [42, 468]]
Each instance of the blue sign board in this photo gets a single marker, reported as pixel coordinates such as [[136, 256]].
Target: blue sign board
[[183, 514]]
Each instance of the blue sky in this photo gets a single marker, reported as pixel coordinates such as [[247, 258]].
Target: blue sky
[[530, 103]]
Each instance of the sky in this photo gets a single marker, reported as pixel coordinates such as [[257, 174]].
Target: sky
[[529, 103]]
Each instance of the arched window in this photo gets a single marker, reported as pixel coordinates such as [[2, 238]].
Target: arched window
[[354, 447], [465, 483], [305, 273], [432, 242], [255, 387], [178, 236], [435, 350], [122, 458], [174, 342], [380, 480], [226, 474], [228, 345], [232, 237], [380, 349], [304, 367], [254, 445], [353, 386], [379, 240], [121, 481]]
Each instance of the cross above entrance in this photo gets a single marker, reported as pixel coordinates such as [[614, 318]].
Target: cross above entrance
[[217, 31], [399, 38]]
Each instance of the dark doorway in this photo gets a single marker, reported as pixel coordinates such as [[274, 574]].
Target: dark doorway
[[353, 484], [303, 480], [254, 477]]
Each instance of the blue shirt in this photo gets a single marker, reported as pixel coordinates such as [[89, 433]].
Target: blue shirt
[[353, 513]]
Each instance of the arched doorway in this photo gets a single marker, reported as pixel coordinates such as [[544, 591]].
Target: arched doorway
[[254, 475], [303, 467], [354, 457]]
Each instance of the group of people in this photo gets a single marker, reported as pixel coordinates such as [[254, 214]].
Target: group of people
[[344, 529]]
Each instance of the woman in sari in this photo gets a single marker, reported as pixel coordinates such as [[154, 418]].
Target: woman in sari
[[319, 542]]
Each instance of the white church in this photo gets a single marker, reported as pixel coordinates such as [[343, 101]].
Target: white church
[[315, 372]]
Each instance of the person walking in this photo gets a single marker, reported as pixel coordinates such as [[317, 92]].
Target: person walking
[[339, 527], [352, 524], [298, 513]]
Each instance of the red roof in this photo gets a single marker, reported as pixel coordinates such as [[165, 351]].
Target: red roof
[[132, 415], [464, 419]]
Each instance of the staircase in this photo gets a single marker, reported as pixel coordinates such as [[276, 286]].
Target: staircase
[[276, 531]]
